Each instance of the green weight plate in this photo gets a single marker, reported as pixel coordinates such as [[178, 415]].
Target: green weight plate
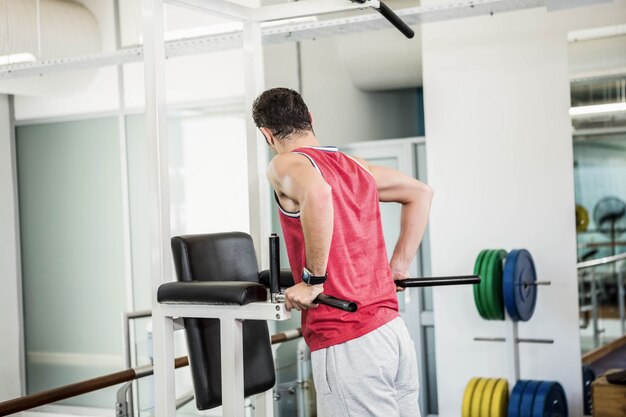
[[493, 290], [466, 408], [476, 287], [485, 402], [485, 273], [479, 392]]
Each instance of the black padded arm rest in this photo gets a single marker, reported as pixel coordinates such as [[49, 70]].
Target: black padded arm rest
[[212, 292], [285, 278]]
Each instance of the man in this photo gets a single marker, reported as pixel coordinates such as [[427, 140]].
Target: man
[[364, 363]]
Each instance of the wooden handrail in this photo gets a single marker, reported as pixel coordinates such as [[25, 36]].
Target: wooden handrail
[[72, 390], [83, 387]]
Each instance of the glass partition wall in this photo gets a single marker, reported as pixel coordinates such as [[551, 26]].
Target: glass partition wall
[[599, 148], [79, 277]]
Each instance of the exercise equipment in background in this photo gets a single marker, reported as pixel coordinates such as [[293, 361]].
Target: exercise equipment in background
[[486, 397], [588, 377], [537, 399], [508, 289], [582, 218], [508, 281], [609, 215]]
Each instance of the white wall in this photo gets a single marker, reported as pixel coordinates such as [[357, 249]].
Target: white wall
[[10, 293], [500, 161], [342, 113]]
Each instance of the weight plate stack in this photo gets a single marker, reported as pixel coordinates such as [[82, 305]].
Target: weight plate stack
[[466, 408], [484, 268], [500, 399], [518, 285], [528, 397], [477, 271], [485, 397], [588, 377], [516, 398], [492, 290], [479, 392], [549, 400], [537, 399], [485, 401]]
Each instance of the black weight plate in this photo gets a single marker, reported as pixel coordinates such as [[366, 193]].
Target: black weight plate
[[588, 377], [549, 400]]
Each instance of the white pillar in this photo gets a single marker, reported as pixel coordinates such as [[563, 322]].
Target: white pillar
[[158, 195]]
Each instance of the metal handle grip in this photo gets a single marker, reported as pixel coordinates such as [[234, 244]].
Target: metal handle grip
[[349, 306], [433, 282], [395, 20]]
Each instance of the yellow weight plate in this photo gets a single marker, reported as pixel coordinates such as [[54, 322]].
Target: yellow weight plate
[[467, 397], [582, 218], [479, 391], [485, 402], [499, 399]]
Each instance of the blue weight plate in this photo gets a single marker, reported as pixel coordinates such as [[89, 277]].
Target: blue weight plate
[[528, 397], [508, 285], [588, 377], [550, 400], [525, 288], [516, 399]]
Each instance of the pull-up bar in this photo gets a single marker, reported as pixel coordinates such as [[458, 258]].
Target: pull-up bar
[[292, 10]]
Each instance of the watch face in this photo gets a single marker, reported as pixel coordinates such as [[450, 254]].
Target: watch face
[[311, 279], [306, 276]]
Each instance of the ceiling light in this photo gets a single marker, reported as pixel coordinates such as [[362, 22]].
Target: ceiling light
[[597, 109], [17, 58]]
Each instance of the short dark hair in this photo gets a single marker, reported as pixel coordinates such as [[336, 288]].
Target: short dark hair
[[282, 111]]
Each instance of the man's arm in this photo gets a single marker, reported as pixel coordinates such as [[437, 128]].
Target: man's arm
[[416, 198], [294, 177]]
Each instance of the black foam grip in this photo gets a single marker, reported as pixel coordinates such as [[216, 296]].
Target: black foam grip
[[395, 20], [344, 305], [434, 282], [274, 264]]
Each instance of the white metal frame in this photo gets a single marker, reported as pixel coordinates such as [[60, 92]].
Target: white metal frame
[[231, 345]]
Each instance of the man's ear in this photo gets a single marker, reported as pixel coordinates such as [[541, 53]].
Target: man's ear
[[268, 135], [311, 118]]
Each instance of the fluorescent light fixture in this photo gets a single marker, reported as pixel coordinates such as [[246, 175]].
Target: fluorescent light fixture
[[17, 58], [597, 109]]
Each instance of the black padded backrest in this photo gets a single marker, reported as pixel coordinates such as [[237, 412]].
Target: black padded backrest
[[222, 257], [215, 257]]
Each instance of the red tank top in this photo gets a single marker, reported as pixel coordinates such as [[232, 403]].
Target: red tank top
[[358, 267]]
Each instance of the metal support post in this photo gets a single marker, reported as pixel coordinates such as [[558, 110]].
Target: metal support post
[[513, 351], [231, 342], [621, 294], [594, 311]]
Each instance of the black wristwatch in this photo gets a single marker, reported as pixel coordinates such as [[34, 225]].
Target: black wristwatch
[[309, 278]]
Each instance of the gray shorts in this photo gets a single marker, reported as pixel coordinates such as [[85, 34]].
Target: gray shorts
[[373, 375]]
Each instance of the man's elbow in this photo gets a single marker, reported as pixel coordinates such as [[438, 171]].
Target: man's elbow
[[422, 192]]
